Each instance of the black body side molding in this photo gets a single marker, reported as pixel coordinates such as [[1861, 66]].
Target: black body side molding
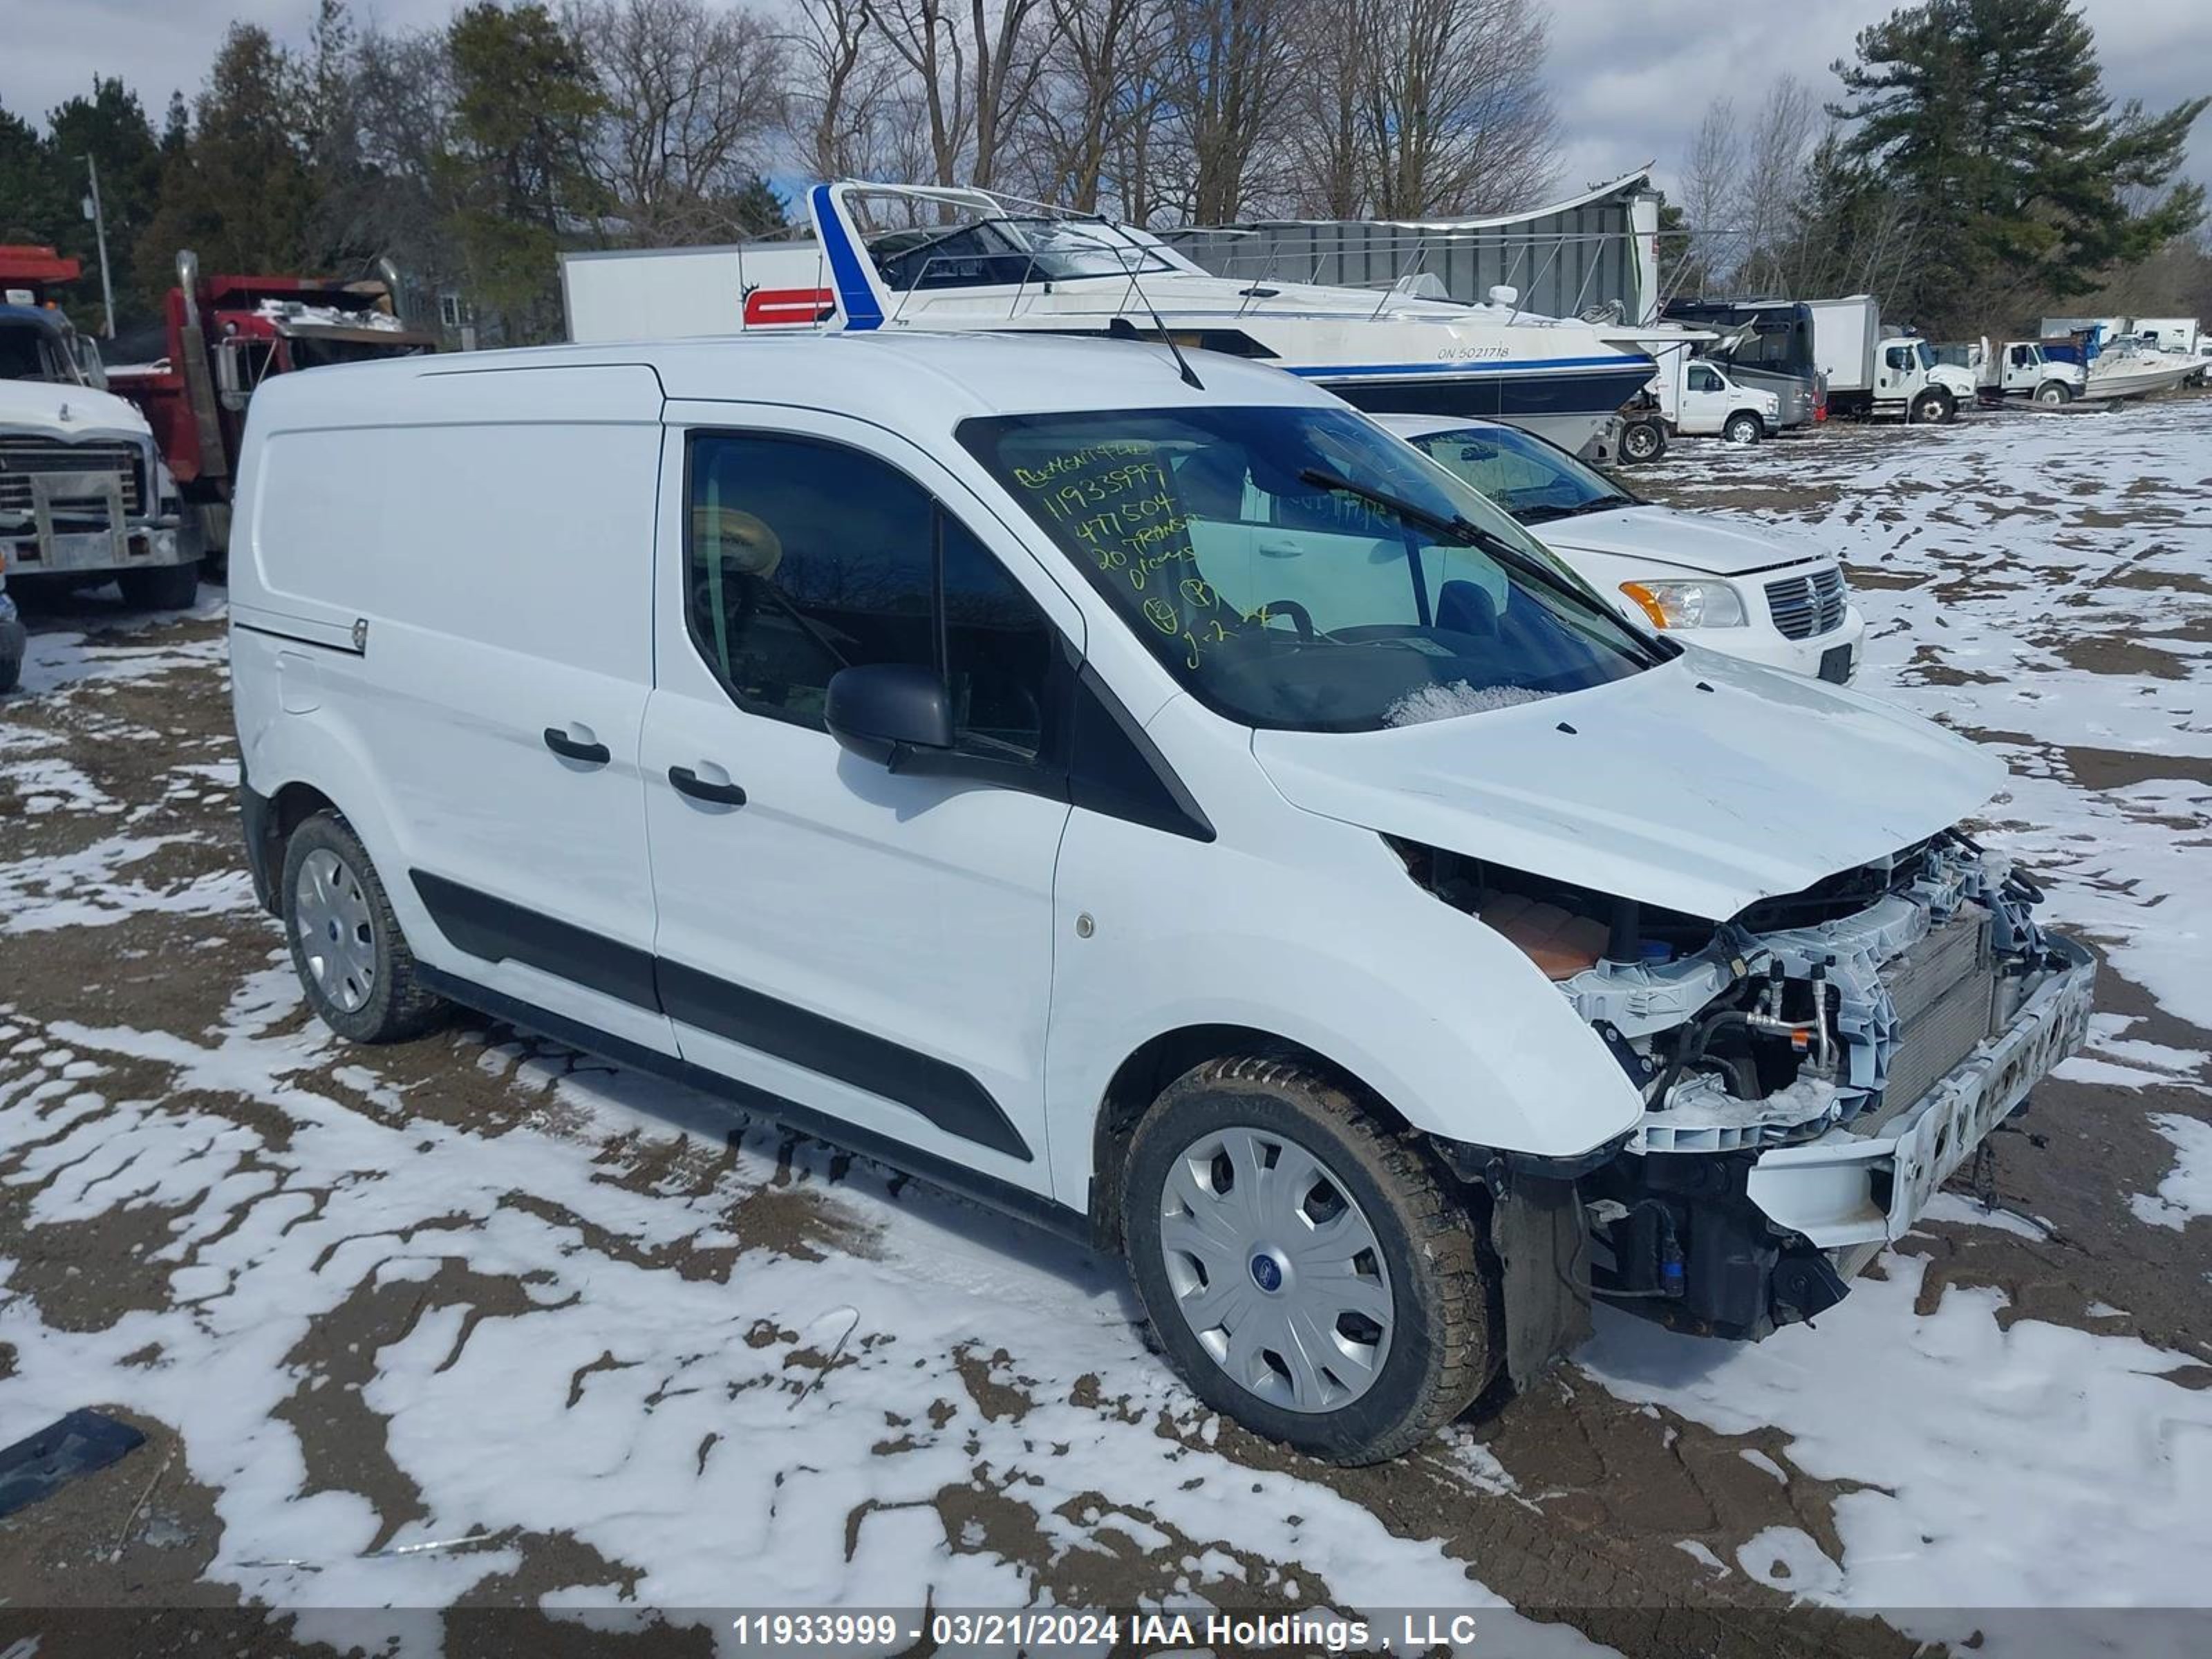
[[500, 931], [1003, 1196]]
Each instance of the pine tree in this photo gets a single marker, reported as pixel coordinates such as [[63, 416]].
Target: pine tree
[[1991, 116], [759, 207], [524, 111], [35, 206], [111, 127], [240, 193]]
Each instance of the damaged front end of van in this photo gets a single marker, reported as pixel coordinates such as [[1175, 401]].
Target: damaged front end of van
[[1812, 1070]]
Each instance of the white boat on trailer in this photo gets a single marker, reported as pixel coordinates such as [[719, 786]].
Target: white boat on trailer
[[926, 257], [2127, 371]]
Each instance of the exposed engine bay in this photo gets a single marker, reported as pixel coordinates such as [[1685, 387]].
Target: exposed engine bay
[[1811, 1068]]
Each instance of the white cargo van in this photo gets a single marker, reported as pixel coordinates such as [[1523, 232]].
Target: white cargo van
[[1145, 797]]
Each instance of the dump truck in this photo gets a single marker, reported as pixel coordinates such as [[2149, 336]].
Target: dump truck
[[83, 495], [219, 337]]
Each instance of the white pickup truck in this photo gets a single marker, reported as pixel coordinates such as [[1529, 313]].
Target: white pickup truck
[[1695, 398], [2015, 368]]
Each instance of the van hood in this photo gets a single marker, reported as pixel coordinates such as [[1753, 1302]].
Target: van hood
[[1654, 787], [68, 412], [1689, 541]]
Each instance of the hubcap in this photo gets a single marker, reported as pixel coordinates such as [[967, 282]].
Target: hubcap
[[331, 914], [1276, 1269]]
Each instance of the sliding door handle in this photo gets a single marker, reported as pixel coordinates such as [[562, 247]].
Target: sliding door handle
[[576, 749], [688, 782]]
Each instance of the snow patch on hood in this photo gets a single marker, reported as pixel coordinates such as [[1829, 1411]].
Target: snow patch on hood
[[1442, 702]]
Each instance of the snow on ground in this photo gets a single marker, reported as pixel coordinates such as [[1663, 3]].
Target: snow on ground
[[2045, 584], [479, 1317], [2186, 1192]]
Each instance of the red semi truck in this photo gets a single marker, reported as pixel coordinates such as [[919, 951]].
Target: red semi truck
[[221, 338]]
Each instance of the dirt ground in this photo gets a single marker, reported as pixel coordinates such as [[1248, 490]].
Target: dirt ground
[[1575, 1506]]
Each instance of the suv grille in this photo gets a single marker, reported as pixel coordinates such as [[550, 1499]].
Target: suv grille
[[1805, 606], [21, 457]]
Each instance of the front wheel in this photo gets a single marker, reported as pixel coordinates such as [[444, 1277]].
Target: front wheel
[[1744, 427], [161, 587], [353, 961], [1304, 1268], [2052, 393], [1934, 409], [1643, 440]]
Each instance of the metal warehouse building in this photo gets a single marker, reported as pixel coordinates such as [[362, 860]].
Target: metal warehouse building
[[1596, 249]]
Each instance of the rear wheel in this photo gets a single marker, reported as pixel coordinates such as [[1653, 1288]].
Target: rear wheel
[[353, 961], [160, 587], [1743, 428], [1643, 440], [1304, 1267]]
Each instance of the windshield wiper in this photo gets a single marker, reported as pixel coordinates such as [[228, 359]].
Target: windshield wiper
[[1467, 533], [1596, 504]]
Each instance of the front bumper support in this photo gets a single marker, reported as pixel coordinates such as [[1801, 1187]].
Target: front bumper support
[[1846, 1190]]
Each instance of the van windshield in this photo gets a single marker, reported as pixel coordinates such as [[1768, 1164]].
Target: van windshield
[[1298, 568]]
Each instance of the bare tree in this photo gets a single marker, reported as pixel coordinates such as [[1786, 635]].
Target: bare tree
[[975, 68], [1713, 175], [1778, 147], [1455, 116], [691, 92], [1234, 64], [851, 108], [1100, 84]]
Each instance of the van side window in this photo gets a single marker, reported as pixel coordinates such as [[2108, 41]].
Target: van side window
[[1703, 379], [808, 557]]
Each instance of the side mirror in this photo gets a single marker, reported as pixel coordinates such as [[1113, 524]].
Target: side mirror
[[880, 710]]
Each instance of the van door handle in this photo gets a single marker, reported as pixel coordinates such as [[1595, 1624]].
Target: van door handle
[[568, 748], [688, 782]]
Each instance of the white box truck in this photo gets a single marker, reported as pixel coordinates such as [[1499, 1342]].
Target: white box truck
[[1870, 374]]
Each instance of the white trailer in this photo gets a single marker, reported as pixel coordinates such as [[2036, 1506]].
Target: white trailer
[[687, 292], [1870, 374]]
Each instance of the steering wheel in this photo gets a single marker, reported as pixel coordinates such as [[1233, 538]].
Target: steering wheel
[[1301, 618]]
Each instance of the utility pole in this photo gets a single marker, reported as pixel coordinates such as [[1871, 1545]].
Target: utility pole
[[99, 233]]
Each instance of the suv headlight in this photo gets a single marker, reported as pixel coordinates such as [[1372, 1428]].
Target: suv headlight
[[1689, 605]]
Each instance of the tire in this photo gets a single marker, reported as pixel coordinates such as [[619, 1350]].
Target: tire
[[1743, 428], [1401, 1331], [2053, 393], [161, 587], [11, 674], [1934, 409], [1643, 440], [347, 947]]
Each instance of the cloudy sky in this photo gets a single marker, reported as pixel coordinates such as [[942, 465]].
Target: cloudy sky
[[1632, 79]]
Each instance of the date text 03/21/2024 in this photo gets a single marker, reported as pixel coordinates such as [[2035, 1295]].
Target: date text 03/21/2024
[[1420, 1631]]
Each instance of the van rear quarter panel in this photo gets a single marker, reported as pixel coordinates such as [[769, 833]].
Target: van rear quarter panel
[[495, 532]]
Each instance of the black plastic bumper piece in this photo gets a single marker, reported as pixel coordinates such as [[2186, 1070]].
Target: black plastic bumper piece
[[257, 819]]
